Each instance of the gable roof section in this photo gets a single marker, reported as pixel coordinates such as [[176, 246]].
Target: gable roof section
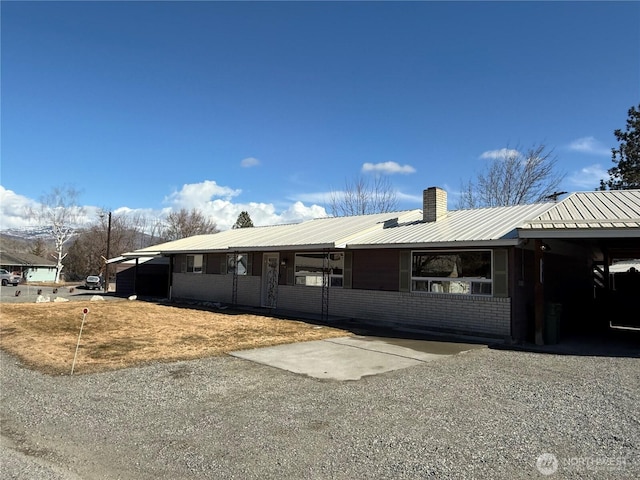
[[599, 214]]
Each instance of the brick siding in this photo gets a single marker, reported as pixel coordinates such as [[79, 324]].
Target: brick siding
[[462, 314]]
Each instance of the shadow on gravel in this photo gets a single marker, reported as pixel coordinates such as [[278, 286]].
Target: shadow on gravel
[[610, 343]]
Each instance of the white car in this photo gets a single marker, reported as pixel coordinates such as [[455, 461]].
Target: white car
[[9, 278]]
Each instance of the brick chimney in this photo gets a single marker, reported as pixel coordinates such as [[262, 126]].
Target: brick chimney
[[434, 204]]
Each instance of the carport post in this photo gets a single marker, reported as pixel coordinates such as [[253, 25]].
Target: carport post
[[538, 291]]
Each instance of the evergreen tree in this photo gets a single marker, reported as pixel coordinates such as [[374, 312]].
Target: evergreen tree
[[625, 174], [243, 221], [39, 248]]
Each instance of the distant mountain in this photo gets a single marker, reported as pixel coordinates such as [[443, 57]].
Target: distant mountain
[[22, 240], [28, 233]]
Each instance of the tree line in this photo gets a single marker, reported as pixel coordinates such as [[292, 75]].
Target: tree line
[[82, 252]]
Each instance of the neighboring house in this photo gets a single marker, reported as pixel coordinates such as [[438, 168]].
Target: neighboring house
[[503, 272], [30, 267]]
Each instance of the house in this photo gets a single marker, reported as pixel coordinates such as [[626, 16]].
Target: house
[[503, 272], [31, 268]]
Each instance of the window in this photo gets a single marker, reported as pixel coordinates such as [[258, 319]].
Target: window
[[237, 263], [194, 263], [452, 272], [309, 268]]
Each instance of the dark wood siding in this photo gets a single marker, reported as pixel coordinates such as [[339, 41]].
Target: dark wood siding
[[376, 270], [214, 261], [256, 264], [152, 280]]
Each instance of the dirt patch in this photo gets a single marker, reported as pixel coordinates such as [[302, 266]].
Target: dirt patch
[[123, 333]]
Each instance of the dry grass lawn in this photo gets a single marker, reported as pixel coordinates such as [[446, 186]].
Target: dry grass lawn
[[119, 334]]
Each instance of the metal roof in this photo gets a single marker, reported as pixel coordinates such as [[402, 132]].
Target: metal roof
[[612, 213], [330, 232], [583, 214], [478, 227]]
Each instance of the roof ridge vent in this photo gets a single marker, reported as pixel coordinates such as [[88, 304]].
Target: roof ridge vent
[[390, 223]]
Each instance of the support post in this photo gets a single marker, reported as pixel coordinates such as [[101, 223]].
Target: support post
[[539, 291], [234, 288], [135, 278], [325, 286]]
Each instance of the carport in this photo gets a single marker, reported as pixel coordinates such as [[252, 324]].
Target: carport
[[584, 275], [145, 276]]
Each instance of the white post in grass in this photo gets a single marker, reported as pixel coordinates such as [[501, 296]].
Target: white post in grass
[[84, 315]]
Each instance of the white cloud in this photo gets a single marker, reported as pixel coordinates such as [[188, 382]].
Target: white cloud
[[388, 168], [588, 177], [589, 145], [215, 201], [225, 213], [14, 209], [500, 154], [250, 162], [211, 199], [194, 195]]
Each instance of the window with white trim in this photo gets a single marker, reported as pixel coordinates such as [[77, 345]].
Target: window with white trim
[[194, 263], [309, 268], [466, 272]]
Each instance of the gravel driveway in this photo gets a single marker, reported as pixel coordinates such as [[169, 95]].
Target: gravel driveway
[[485, 413]]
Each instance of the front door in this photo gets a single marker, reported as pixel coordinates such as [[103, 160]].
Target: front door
[[270, 279]]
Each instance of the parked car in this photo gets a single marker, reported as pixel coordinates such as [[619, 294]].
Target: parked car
[[9, 278], [93, 282]]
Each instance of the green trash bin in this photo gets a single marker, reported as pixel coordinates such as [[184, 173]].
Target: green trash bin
[[552, 323]]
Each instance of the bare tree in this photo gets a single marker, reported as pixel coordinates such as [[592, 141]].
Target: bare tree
[[362, 196], [59, 210], [515, 178], [87, 252], [150, 229], [186, 223]]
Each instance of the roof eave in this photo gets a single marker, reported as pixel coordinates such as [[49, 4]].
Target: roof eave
[[135, 254], [580, 233], [231, 249], [511, 242]]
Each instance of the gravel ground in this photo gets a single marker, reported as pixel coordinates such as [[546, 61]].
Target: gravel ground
[[486, 413]]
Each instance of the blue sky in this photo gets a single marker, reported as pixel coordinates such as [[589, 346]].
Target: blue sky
[[268, 106]]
